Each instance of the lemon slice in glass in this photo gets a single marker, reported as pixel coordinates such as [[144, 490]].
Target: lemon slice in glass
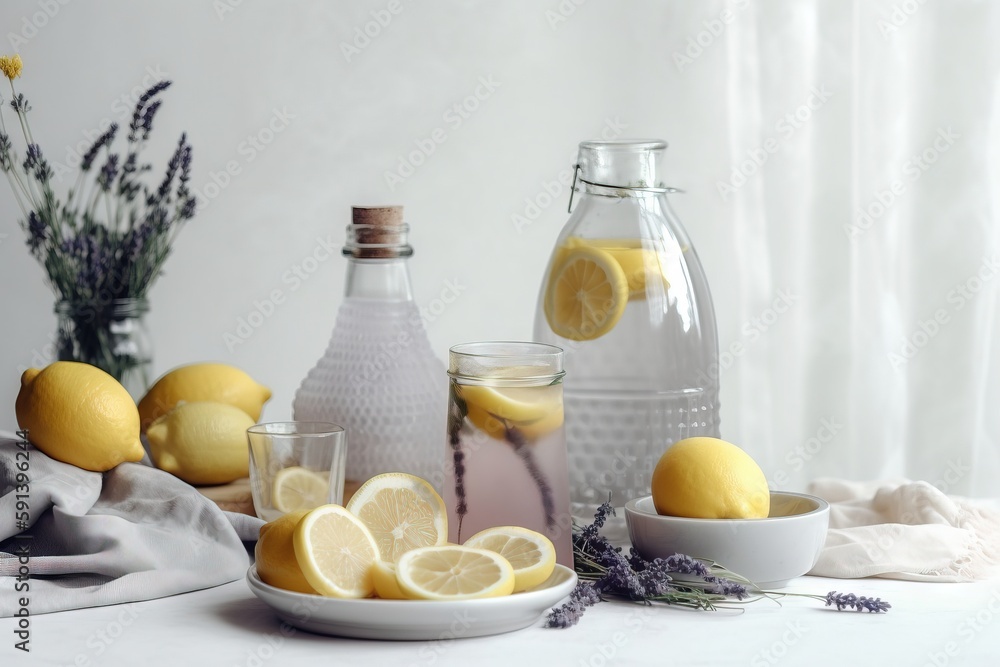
[[298, 488], [402, 512], [335, 552], [454, 573], [586, 295], [531, 554], [534, 411]]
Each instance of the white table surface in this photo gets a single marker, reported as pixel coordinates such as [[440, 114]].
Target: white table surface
[[226, 626]]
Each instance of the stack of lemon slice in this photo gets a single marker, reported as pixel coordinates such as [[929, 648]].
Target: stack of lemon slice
[[391, 540]]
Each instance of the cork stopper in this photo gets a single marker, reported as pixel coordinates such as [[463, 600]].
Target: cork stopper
[[377, 232], [377, 216]]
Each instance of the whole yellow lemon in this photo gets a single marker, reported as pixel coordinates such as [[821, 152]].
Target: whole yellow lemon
[[78, 414], [275, 554], [202, 442], [219, 383], [708, 478]]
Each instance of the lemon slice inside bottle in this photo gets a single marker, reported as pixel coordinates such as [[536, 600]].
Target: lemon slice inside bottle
[[641, 265], [586, 295]]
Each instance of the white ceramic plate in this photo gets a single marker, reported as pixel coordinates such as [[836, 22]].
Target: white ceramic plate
[[414, 619]]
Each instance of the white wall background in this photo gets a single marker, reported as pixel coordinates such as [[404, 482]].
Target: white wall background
[[561, 73]]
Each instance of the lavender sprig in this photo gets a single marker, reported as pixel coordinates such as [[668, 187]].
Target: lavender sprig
[[20, 104], [522, 448], [583, 596], [36, 164], [108, 173], [142, 119], [38, 233], [99, 143], [849, 600], [6, 161], [457, 409], [605, 572]]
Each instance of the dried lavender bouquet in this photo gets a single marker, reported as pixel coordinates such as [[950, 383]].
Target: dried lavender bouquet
[[107, 239], [605, 572]]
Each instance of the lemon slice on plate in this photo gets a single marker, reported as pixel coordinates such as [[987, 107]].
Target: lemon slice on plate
[[274, 554], [531, 554], [402, 512], [384, 577], [534, 411], [335, 552], [297, 488], [586, 294], [454, 573]]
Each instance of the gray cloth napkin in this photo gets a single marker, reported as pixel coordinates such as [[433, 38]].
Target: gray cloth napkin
[[132, 533]]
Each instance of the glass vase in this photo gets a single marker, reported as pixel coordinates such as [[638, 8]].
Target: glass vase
[[112, 336]]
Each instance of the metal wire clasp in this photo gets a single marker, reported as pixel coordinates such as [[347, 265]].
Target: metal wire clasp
[[576, 177]]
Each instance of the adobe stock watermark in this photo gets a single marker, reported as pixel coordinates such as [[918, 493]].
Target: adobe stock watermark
[[294, 277], [956, 471], [121, 113], [779, 648], [102, 639], [363, 35], [786, 127], [968, 629], [563, 11], [552, 190], [248, 150], [385, 358], [900, 15], [33, 23], [268, 647], [608, 649], [915, 167], [957, 298], [804, 452], [454, 117], [460, 625], [751, 331], [713, 28], [223, 7]]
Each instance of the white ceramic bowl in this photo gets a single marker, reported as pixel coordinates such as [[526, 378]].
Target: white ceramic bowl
[[768, 551]]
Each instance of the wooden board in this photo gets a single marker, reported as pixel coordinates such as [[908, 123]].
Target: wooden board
[[235, 496]]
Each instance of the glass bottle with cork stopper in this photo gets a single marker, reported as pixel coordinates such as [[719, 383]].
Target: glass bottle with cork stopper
[[379, 377]]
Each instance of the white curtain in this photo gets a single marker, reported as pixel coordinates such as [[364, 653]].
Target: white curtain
[[865, 141]]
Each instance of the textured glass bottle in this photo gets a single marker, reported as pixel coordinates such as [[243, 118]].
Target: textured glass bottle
[[379, 378], [642, 375]]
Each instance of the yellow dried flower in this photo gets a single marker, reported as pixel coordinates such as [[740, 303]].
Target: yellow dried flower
[[11, 66]]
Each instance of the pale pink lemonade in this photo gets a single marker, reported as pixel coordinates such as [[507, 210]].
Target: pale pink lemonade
[[513, 472]]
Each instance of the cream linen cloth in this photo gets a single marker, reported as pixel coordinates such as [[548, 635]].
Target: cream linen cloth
[[132, 533], [906, 530]]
